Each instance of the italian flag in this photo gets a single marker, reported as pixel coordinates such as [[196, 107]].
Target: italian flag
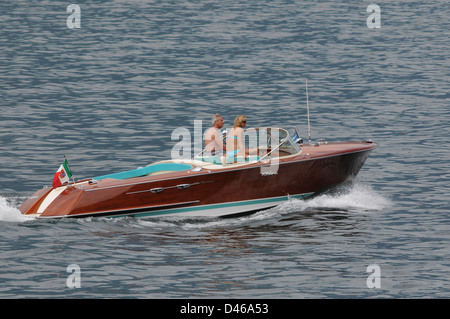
[[62, 175]]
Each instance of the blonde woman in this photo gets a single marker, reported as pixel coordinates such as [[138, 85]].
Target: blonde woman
[[235, 145]]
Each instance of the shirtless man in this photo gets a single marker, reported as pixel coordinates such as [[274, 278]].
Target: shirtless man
[[213, 138]]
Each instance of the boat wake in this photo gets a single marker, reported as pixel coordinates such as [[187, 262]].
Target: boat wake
[[9, 212], [355, 198]]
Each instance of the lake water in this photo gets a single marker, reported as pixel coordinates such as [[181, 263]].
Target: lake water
[[109, 95]]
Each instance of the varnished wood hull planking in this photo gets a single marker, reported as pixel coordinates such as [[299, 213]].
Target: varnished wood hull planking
[[224, 190]]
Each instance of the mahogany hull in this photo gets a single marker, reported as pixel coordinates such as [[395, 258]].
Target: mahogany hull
[[226, 190]]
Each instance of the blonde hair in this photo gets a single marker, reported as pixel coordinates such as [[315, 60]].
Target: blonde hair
[[239, 119]]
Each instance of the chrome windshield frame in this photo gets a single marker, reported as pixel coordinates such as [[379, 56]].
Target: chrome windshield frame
[[283, 141]]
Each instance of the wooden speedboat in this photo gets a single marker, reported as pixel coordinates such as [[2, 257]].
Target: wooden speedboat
[[209, 185]]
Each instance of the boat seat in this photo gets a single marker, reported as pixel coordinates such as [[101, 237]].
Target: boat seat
[[214, 159], [240, 159], [153, 169], [228, 160]]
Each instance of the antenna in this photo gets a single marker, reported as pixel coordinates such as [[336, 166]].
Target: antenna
[[307, 108]]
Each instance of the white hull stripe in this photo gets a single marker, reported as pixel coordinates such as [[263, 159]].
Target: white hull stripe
[[217, 210], [50, 198], [212, 210]]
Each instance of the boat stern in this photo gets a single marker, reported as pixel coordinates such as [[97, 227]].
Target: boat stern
[[52, 202], [31, 205]]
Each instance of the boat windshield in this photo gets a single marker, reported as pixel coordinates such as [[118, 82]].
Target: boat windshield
[[276, 141]]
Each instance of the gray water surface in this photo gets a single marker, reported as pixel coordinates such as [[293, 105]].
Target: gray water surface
[[109, 95]]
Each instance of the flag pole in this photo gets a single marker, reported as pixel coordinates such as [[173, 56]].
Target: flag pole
[[307, 108]]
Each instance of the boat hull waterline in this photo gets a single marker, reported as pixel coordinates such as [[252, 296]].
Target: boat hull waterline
[[204, 188]]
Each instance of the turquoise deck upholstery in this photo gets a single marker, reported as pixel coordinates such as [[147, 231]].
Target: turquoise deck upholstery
[[147, 170]]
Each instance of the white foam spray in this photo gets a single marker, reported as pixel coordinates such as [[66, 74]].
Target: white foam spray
[[9, 213], [359, 198]]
